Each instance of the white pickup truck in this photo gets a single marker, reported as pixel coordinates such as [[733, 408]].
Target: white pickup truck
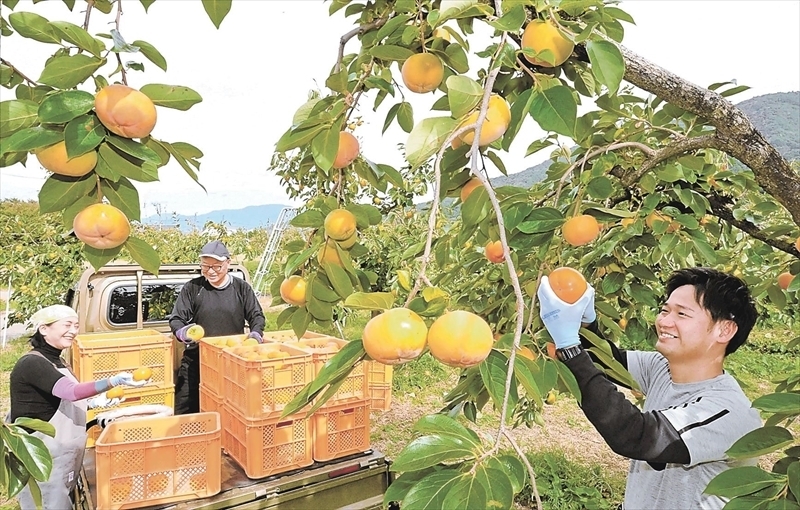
[[126, 297]]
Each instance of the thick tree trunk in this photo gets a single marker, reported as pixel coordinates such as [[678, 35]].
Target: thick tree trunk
[[735, 134]]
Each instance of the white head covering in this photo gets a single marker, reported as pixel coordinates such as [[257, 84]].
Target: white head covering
[[51, 314]]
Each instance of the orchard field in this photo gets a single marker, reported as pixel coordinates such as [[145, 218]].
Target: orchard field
[[657, 173]]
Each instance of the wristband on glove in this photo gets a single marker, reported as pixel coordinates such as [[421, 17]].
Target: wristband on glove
[[257, 336]]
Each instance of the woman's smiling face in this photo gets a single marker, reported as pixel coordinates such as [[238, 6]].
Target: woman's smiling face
[[61, 333]]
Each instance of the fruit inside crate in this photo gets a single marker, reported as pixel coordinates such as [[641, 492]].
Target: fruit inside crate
[[211, 359], [101, 355], [261, 379], [158, 460]]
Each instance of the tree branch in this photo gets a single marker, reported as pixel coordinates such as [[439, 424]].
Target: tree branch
[[735, 134]]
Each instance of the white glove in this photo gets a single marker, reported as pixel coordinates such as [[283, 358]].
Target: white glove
[[102, 400], [563, 320], [125, 378]]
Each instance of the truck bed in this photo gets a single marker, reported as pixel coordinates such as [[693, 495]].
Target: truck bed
[[354, 482]]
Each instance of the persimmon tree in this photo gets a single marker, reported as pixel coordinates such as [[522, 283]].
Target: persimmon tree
[[654, 169], [68, 105]]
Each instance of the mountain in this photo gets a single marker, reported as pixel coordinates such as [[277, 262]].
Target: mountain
[[776, 116], [248, 218]]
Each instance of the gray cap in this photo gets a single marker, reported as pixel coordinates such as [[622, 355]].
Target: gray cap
[[215, 250]]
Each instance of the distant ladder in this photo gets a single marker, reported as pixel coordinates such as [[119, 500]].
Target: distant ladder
[[285, 216]]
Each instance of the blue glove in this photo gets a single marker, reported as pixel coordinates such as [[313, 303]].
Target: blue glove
[[126, 379], [102, 400], [563, 320], [181, 334], [257, 336]]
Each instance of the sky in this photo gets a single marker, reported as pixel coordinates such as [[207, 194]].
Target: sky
[[258, 68]]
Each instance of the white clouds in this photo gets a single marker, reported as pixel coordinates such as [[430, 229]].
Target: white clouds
[[257, 70]]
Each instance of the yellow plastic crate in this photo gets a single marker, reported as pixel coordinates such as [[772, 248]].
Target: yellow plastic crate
[[261, 388], [340, 430], [211, 360], [322, 350], [380, 397], [151, 461], [149, 394], [209, 401], [102, 355], [379, 383], [269, 446]]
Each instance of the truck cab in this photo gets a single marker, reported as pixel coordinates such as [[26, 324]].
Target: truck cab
[[120, 297]]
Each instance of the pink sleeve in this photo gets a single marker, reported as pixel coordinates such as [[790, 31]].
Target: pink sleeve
[[69, 390]]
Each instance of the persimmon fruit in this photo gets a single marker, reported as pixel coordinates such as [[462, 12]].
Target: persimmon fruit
[[102, 226], [54, 158], [568, 284], [460, 339], [422, 72], [125, 111], [542, 35], [470, 186], [293, 290], [494, 252], [498, 117], [396, 336], [580, 230], [340, 224], [348, 151], [785, 279]]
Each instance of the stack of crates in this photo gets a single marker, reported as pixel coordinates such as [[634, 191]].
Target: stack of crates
[[379, 381], [258, 383], [102, 355], [211, 376], [341, 426], [158, 460]]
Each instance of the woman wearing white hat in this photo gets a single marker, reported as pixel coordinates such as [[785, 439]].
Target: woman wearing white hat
[[44, 388]]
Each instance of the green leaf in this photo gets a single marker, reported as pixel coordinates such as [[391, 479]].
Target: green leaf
[[524, 370], [136, 149], [442, 424], [122, 195], [431, 492], [99, 258], [152, 54], [217, 10], [177, 97], [608, 66], [788, 403], [29, 139], [311, 218], [793, 474], [18, 476], [63, 106], [321, 291], [511, 21], [58, 191], [339, 279], [430, 450], [33, 26], [69, 71], [760, 442], [555, 109], [181, 161], [463, 94], [37, 425], [324, 147], [494, 370], [513, 468], [83, 134], [496, 483], [79, 37], [740, 481], [566, 376], [427, 138], [17, 114], [540, 220], [391, 52], [30, 451], [113, 160], [143, 254], [467, 493], [369, 301], [405, 116]]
